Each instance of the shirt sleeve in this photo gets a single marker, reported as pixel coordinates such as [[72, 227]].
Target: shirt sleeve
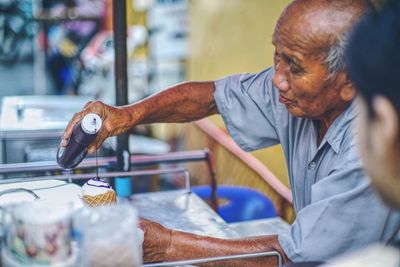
[[344, 215], [248, 105]]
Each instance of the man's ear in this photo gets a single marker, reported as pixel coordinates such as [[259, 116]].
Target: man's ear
[[348, 91], [386, 118]]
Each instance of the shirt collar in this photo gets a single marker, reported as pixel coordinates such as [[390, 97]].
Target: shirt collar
[[336, 131]]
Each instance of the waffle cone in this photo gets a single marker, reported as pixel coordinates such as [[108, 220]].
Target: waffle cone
[[108, 198]]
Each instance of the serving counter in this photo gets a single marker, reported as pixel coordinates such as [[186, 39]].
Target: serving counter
[[177, 209]]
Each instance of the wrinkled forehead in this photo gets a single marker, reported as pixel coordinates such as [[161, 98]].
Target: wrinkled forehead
[[295, 36], [308, 29]]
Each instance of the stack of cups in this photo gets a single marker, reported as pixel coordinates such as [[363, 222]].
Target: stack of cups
[[109, 236], [37, 234]]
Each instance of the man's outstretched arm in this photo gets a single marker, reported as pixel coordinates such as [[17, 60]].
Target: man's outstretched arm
[[181, 103]]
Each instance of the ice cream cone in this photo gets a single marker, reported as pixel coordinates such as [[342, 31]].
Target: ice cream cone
[[107, 198]]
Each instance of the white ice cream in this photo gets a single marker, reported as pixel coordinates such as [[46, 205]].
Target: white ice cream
[[95, 187]]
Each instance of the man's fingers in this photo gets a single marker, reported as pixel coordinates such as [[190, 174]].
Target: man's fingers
[[94, 146], [64, 142], [92, 149], [97, 142], [87, 104], [143, 223], [91, 106], [68, 131]]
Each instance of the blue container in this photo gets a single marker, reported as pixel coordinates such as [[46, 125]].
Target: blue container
[[241, 203]]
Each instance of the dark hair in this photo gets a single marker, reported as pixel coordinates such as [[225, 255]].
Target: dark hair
[[373, 55]]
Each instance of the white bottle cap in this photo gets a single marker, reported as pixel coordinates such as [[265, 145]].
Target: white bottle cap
[[91, 123]]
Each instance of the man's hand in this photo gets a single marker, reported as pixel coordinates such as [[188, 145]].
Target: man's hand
[[157, 239], [115, 121]]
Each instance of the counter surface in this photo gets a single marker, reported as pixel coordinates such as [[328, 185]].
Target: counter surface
[[180, 210]]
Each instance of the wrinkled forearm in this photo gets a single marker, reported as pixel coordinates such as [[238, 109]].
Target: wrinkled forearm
[[181, 103], [188, 246]]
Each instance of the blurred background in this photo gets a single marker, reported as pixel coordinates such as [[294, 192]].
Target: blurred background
[[57, 55]]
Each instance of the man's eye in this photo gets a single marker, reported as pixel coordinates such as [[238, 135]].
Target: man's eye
[[295, 69], [276, 59]]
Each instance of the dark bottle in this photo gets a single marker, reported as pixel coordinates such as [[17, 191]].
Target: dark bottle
[[84, 133]]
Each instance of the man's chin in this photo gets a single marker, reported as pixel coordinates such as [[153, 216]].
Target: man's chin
[[294, 111], [393, 202]]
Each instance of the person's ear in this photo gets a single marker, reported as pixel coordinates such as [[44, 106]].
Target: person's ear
[[348, 91], [386, 118]]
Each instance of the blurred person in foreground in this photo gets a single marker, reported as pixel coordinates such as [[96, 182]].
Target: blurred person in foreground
[[373, 63], [305, 103]]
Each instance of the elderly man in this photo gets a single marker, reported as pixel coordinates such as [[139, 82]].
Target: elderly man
[[305, 102]]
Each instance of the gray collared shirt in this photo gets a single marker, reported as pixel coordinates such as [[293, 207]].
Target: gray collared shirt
[[336, 209]]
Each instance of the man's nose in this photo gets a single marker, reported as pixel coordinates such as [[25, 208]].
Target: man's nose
[[280, 81]]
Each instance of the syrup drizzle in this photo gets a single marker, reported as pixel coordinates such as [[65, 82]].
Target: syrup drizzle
[[104, 185]]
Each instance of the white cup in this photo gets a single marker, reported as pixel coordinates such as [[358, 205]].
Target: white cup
[[38, 233], [109, 236]]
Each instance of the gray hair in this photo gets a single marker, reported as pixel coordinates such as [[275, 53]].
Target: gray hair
[[335, 57]]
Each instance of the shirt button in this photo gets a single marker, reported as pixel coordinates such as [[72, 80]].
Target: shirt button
[[311, 166]]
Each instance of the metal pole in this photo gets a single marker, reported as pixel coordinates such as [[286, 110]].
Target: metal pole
[[121, 77], [213, 179], [218, 258], [122, 185], [136, 161], [116, 175]]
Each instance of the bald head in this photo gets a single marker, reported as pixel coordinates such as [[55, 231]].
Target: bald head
[[320, 28]]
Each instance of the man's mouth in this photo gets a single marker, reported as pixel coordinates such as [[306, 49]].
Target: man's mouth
[[284, 100]]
